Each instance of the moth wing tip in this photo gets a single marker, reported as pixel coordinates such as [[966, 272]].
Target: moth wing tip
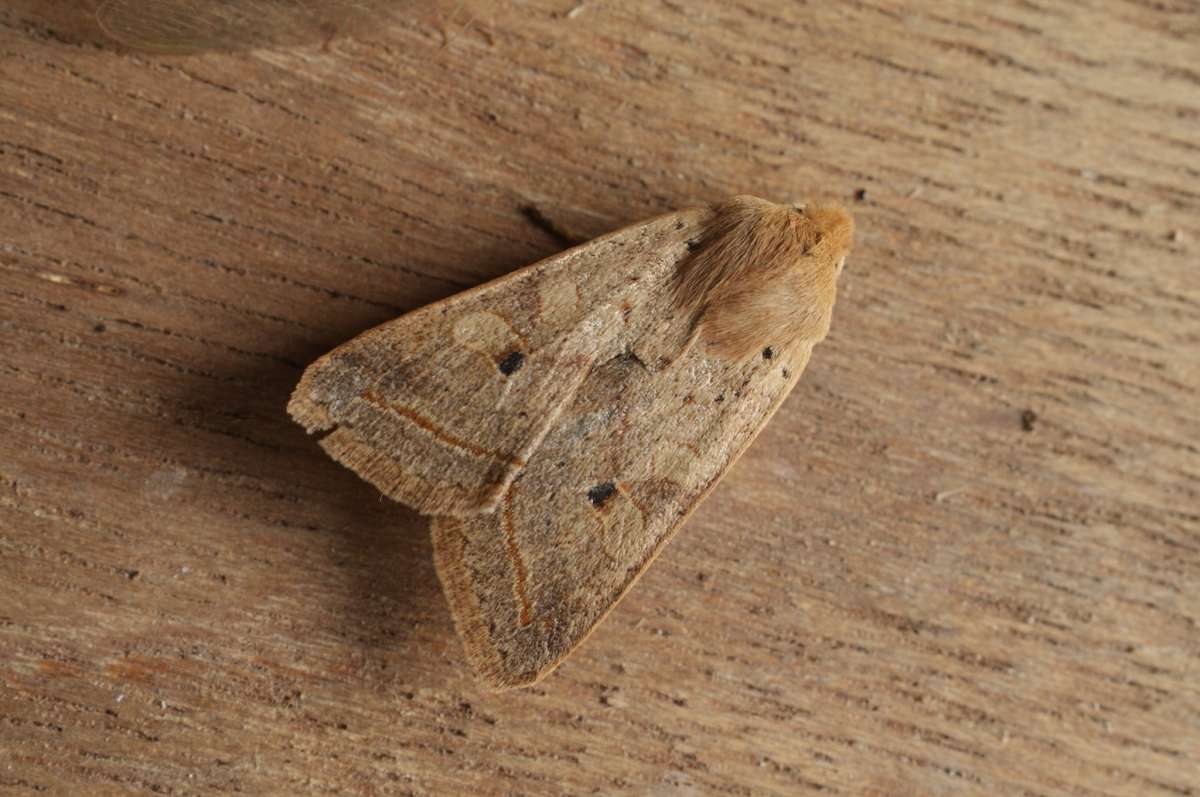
[[308, 413], [398, 482], [497, 680], [493, 669]]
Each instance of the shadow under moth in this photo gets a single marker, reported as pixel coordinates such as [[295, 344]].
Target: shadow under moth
[[559, 424]]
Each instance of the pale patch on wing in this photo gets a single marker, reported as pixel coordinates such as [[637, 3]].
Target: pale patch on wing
[[674, 460], [624, 526], [489, 334], [559, 299]]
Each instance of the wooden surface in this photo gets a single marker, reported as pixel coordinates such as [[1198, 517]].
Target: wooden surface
[[964, 558]]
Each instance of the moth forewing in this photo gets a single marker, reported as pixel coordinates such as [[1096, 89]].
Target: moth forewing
[[580, 471], [441, 408]]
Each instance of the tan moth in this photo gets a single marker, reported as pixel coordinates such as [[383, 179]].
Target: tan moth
[[559, 424]]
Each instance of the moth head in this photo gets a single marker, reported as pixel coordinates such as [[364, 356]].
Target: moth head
[[829, 230], [766, 273]]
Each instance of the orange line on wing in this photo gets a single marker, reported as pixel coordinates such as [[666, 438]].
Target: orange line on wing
[[514, 555], [441, 434]]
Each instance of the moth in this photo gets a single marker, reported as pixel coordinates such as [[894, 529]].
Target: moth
[[559, 424]]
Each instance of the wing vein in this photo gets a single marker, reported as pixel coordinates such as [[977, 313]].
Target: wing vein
[[520, 573], [441, 434]]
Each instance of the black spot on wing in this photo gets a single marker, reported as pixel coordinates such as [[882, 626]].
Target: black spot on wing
[[512, 363], [601, 493]]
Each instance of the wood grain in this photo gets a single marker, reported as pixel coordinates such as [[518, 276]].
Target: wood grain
[[963, 559]]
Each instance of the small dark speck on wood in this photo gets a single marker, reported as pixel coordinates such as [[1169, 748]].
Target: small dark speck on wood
[[1028, 420]]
